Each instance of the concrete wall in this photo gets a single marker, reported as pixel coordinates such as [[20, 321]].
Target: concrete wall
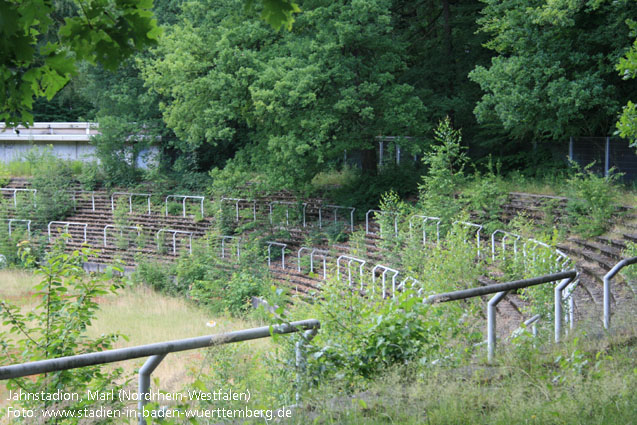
[[70, 140], [13, 150]]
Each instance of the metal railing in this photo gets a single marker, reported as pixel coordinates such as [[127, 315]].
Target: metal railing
[[379, 212], [560, 258], [505, 235], [414, 285], [175, 233], [425, 219], [184, 198], [313, 251], [156, 353], [361, 263], [121, 230], [236, 206], [84, 191], [66, 227], [16, 190], [12, 220], [130, 199], [478, 228], [384, 272], [335, 209], [283, 246], [607, 278], [287, 204], [501, 290], [223, 245]]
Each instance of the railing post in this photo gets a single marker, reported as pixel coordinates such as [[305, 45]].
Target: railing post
[[607, 278], [351, 219], [559, 314], [607, 301], [491, 323], [144, 383]]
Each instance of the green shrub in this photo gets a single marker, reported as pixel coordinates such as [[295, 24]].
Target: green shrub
[[52, 179], [90, 176], [630, 272], [155, 274], [485, 196], [593, 200], [56, 327]]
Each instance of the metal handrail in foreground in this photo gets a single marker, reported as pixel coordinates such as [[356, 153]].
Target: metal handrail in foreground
[[501, 289], [156, 351], [607, 278]]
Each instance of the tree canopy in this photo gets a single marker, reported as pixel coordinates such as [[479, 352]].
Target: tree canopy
[[627, 66], [219, 88], [553, 73], [295, 99], [43, 41], [38, 61]]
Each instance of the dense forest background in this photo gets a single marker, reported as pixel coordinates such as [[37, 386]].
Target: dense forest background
[[224, 91]]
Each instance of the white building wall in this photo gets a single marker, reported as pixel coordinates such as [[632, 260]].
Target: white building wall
[[69, 141]]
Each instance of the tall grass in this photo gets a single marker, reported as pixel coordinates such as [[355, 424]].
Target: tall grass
[[144, 316], [578, 382]]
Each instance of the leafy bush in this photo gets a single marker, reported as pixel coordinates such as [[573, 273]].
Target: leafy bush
[[361, 336], [155, 274], [630, 272], [5, 175], [593, 200], [56, 327], [91, 176], [52, 179], [485, 196]]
